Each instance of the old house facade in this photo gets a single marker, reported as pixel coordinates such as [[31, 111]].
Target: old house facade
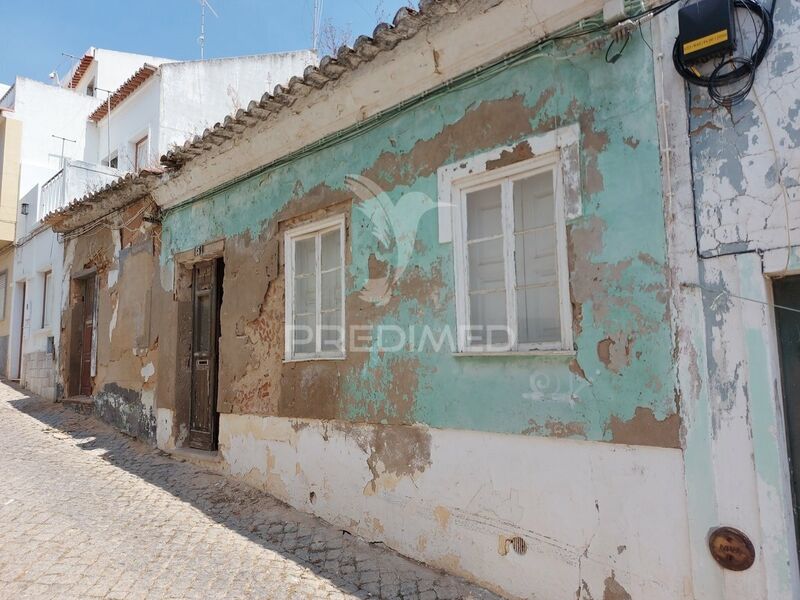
[[141, 120], [443, 291], [50, 170]]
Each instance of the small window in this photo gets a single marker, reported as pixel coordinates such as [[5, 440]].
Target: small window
[[3, 291], [140, 157], [90, 88], [47, 298], [511, 260], [112, 162], [315, 290]]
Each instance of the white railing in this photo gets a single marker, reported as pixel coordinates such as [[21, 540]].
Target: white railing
[[73, 182]]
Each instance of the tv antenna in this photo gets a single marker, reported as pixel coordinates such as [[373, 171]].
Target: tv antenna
[[316, 26], [202, 38]]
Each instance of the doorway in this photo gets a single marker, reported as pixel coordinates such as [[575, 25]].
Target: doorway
[[206, 302], [89, 295], [786, 293], [23, 289]]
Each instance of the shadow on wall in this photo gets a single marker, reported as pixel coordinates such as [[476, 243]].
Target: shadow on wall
[[348, 562]]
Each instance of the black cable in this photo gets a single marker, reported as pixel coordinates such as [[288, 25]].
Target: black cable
[[605, 27], [612, 59], [741, 70]]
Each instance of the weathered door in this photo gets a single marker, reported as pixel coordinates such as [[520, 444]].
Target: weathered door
[[787, 294], [205, 334], [87, 335]]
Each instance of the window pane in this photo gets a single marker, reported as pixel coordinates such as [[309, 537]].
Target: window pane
[[331, 289], [47, 299], [534, 202], [141, 155], [202, 342], [486, 267], [538, 316], [331, 333], [303, 334], [305, 301], [304, 259], [487, 319], [331, 250], [535, 256], [483, 213]]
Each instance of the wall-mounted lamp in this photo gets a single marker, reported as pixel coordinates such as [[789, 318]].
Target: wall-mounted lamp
[[24, 208]]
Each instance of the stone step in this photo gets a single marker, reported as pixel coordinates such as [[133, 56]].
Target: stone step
[[81, 404]]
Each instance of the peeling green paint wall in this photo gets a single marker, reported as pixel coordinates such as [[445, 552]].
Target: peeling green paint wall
[[618, 254]]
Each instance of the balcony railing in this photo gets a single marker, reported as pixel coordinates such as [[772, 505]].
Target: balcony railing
[[73, 182]]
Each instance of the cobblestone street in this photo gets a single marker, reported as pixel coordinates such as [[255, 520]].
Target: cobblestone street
[[86, 512]]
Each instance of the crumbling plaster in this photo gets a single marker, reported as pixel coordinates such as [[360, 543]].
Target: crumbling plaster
[[123, 258], [746, 159], [442, 497], [736, 468], [617, 266]]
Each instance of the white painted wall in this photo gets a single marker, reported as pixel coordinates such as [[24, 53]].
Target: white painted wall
[[110, 69], [42, 252], [731, 182], [46, 110], [585, 509], [197, 94], [183, 98], [135, 118]]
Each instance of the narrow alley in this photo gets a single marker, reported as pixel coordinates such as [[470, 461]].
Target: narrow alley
[[88, 512]]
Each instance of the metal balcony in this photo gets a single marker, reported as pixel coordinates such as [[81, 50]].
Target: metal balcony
[[73, 182]]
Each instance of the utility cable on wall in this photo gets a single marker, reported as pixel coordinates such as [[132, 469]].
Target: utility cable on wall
[[733, 76]]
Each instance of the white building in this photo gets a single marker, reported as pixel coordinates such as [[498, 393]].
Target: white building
[[65, 141], [160, 106], [52, 133]]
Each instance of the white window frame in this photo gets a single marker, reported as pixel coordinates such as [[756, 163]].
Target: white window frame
[[144, 140], [556, 151], [312, 230], [47, 298]]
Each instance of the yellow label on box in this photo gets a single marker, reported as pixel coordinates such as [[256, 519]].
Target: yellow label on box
[[705, 42]]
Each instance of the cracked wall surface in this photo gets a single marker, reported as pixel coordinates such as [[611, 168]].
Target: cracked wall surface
[[445, 458], [746, 159], [123, 257], [620, 380]]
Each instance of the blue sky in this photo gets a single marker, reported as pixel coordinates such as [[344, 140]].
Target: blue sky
[[34, 33]]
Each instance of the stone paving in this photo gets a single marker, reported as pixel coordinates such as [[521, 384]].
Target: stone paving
[[86, 512]]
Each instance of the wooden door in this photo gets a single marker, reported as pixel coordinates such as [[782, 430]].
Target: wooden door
[[787, 316], [205, 336], [87, 335]]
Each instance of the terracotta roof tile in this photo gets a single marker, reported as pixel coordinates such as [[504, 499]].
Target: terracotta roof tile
[[133, 83]]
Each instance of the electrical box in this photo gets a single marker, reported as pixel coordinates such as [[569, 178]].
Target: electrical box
[[706, 30]]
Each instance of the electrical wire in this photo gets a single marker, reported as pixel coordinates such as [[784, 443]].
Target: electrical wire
[[721, 293], [583, 28], [736, 72]]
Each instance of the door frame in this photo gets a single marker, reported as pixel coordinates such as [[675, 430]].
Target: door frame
[[83, 282], [183, 298], [22, 286], [197, 439], [791, 445]]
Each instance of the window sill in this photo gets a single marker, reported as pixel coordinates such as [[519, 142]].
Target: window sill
[[514, 353], [47, 330], [301, 359]]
